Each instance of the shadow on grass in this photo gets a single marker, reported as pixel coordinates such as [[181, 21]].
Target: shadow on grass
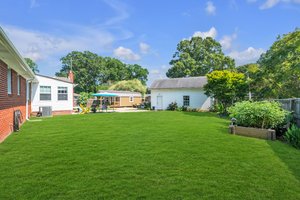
[[289, 155]]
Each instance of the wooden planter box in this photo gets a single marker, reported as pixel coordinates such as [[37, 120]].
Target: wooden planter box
[[268, 134]]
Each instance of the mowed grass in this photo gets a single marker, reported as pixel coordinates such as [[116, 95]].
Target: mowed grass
[[153, 155]]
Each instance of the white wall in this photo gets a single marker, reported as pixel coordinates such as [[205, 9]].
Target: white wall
[[62, 105], [197, 97]]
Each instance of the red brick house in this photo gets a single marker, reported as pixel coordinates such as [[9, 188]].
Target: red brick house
[[15, 83]]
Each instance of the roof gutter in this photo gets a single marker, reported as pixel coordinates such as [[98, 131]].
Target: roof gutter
[[11, 48]]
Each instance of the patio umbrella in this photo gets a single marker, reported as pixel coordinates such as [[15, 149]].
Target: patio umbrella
[[105, 94]]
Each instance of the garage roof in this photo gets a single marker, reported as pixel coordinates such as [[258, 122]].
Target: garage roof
[[173, 83]]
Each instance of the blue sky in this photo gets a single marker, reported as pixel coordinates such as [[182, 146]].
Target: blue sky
[[143, 32]]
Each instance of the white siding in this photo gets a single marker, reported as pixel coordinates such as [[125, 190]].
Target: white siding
[[54, 102], [197, 97]]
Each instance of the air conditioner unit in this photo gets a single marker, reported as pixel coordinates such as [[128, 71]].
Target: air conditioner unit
[[45, 111]]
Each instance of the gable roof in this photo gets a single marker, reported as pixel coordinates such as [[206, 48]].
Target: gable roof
[[175, 83], [10, 55], [63, 79]]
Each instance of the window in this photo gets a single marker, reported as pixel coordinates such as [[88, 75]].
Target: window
[[45, 93], [186, 100], [19, 84], [131, 99], [8, 81], [62, 94]]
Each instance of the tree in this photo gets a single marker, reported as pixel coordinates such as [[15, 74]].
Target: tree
[[87, 68], [280, 68], [226, 87], [137, 72], [130, 85], [33, 66], [197, 57], [92, 71], [253, 73]]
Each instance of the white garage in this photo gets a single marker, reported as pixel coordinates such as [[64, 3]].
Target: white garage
[[184, 91]]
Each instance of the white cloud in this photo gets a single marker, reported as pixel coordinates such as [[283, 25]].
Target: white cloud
[[33, 4], [126, 54], [210, 8], [269, 4], [155, 71], [227, 40], [249, 55], [144, 48], [40, 45], [120, 9], [212, 32]]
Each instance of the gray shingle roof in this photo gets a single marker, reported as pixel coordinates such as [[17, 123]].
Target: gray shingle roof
[[172, 83]]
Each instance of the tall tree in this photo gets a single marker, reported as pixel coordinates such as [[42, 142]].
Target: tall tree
[[280, 67], [253, 73], [198, 56], [33, 66], [137, 72], [114, 70], [87, 68]]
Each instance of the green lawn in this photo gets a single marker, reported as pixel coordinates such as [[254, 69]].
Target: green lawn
[[153, 155]]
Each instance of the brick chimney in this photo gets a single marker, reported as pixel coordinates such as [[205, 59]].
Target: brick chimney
[[71, 76]]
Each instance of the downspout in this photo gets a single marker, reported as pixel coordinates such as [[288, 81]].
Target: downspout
[[27, 96]]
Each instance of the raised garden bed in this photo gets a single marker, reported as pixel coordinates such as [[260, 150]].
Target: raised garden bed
[[268, 134]]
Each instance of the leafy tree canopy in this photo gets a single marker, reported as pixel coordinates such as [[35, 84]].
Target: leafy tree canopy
[[280, 68], [91, 70], [32, 65], [130, 85], [197, 57], [226, 87]]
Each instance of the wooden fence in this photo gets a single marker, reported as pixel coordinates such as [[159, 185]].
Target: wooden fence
[[292, 105]]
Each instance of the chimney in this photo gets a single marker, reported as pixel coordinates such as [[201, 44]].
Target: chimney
[[71, 76]]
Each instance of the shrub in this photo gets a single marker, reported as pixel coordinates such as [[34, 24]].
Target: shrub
[[83, 98], [292, 136], [262, 114], [172, 106]]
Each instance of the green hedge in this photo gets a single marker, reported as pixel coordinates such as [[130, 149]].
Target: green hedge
[[261, 114]]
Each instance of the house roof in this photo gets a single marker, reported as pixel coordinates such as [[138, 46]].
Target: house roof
[[176, 83], [63, 79], [10, 55]]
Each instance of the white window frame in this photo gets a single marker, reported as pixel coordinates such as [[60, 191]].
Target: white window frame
[[186, 102], [62, 88], [9, 81], [131, 98], [18, 84], [46, 93]]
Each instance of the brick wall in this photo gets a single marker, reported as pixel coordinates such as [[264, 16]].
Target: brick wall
[[10, 102]]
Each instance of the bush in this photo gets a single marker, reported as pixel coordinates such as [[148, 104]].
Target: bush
[[83, 98], [172, 106], [292, 136], [262, 114]]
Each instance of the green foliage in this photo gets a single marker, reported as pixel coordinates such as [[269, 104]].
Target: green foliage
[[91, 70], [130, 85], [279, 75], [292, 136], [197, 57], [172, 106], [260, 114], [83, 98], [226, 87], [33, 66]]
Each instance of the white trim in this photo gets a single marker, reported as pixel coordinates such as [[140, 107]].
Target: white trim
[[9, 81], [18, 85]]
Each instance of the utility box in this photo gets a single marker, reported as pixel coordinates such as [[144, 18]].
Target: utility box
[[45, 111]]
